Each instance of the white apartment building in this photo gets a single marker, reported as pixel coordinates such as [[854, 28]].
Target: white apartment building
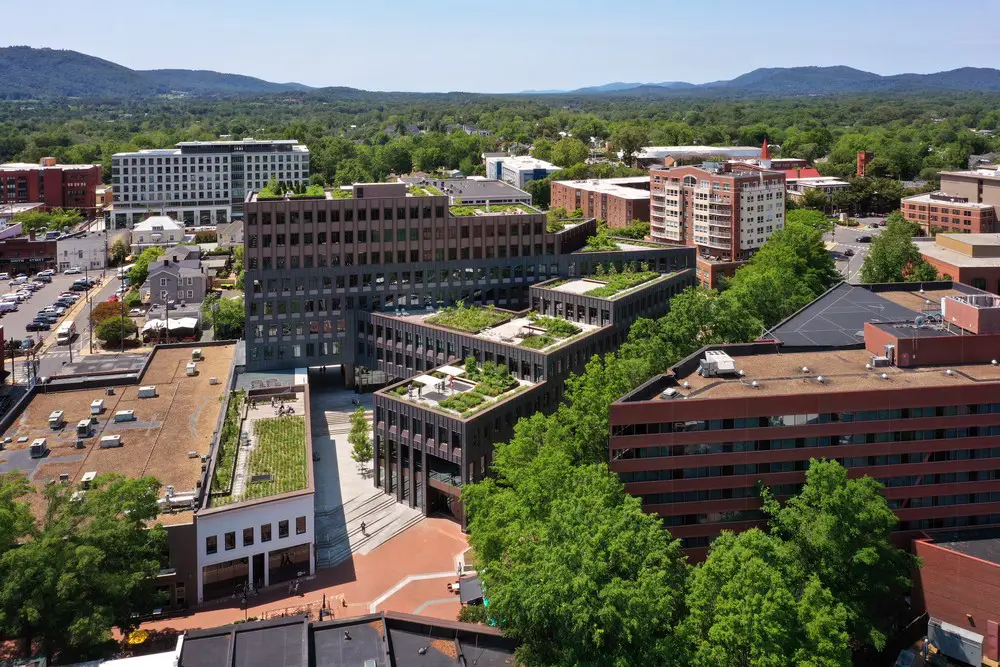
[[200, 182]]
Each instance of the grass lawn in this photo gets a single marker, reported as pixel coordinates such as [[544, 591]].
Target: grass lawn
[[225, 464], [471, 319], [280, 450]]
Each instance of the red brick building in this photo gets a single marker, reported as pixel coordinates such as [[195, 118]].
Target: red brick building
[[938, 212], [21, 255], [617, 201], [864, 157], [959, 588], [973, 259], [913, 402], [54, 185], [727, 211]]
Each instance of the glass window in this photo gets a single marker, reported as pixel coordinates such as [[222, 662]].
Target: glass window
[[247, 537], [230, 540], [211, 544], [265, 532], [283, 529], [300, 525]]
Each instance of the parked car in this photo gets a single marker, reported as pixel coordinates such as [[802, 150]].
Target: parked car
[[881, 223], [73, 270], [849, 252], [46, 272], [4, 276], [37, 325], [19, 280], [864, 239], [79, 287], [68, 295], [43, 278], [135, 312]]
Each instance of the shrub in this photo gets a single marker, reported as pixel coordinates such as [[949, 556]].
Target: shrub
[[472, 613], [133, 299], [462, 402], [537, 341], [554, 326], [105, 310], [114, 329], [615, 283], [402, 390], [472, 319]]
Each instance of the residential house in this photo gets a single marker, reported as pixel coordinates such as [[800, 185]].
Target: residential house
[[174, 281], [158, 230]]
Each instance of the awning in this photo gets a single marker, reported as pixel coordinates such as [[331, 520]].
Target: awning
[[470, 590]]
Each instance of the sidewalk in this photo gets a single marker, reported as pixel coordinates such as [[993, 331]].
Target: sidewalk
[[408, 573]]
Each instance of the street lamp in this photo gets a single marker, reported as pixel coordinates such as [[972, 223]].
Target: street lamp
[[244, 592]]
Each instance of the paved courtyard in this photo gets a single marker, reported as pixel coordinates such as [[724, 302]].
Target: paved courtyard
[[409, 573]]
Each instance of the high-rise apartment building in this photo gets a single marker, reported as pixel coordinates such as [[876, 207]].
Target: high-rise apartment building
[[724, 211], [51, 184], [898, 382], [200, 182]]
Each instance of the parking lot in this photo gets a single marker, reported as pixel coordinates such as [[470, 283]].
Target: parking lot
[[14, 322], [842, 239]]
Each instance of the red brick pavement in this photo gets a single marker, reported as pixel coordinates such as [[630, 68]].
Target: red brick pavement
[[429, 547]]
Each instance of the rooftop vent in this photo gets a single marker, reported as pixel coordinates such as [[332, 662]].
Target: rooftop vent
[[884, 376], [755, 384], [670, 392], [820, 379], [716, 362], [949, 372], [805, 369]]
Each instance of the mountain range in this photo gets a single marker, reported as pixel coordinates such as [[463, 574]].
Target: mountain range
[[838, 79], [30, 73]]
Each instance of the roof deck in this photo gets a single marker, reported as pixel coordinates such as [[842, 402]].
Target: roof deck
[[453, 391], [524, 329], [605, 287], [477, 210], [165, 439]]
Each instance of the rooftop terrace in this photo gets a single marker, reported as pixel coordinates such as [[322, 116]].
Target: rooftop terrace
[[159, 439], [528, 330], [607, 287], [492, 209], [457, 392]]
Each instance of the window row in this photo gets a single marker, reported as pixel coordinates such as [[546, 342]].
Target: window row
[[229, 538]]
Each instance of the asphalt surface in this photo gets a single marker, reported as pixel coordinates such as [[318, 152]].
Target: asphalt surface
[[846, 237], [55, 356]]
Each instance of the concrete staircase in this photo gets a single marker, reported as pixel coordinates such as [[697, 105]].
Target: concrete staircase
[[384, 518]]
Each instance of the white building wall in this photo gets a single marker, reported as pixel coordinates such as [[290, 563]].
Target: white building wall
[[87, 252], [254, 516]]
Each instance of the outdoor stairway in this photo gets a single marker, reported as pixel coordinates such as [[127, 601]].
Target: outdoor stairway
[[384, 518]]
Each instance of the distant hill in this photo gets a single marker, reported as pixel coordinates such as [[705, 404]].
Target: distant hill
[[29, 73], [810, 81]]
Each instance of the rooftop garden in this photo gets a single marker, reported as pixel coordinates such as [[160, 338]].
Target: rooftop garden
[[225, 460], [616, 281], [461, 210], [279, 190], [279, 451], [554, 330], [601, 242], [491, 382], [557, 219], [471, 319], [424, 191], [340, 193]]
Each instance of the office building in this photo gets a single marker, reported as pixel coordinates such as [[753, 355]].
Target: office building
[[617, 201], [973, 259], [51, 184], [898, 382], [200, 182], [725, 211], [517, 169], [798, 187], [471, 191], [435, 431], [947, 212]]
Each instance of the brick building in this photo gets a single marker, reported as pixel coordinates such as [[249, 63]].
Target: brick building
[[51, 184], [911, 401], [617, 201], [25, 255], [973, 259], [938, 212], [725, 211]]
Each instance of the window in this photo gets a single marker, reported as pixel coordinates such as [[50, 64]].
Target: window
[[230, 540], [211, 544], [283, 529], [265, 532], [300, 525], [248, 537]]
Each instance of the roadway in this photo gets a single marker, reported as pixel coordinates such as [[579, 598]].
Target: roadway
[[54, 357], [843, 238]]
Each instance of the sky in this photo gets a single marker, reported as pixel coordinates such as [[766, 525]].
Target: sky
[[514, 45]]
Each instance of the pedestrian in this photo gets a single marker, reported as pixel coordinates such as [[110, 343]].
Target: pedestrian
[[363, 529]]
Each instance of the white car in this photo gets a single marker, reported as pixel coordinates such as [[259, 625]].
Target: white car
[[72, 271], [19, 280], [135, 312], [46, 272]]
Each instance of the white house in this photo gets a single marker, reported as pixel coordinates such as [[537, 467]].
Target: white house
[[158, 230]]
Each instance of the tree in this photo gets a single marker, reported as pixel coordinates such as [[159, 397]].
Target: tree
[[15, 514], [815, 199], [105, 310], [576, 570], [542, 150], [89, 566], [894, 257], [133, 299], [226, 316], [540, 191], [472, 613], [360, 438], [700, 317], [628, 139], [115, 329], [569, 151], [140, 271], [238, 265], [839, 529], [56, 220], [118, 252], [747, 608]]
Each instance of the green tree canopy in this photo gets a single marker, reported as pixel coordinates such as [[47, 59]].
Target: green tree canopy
[[569, 151], [56, 220], [140, 270], [894, 257], [115, 329], [227, 317], [629, 139], [118, 252], [360, 437], [838, 529], [88, 566]]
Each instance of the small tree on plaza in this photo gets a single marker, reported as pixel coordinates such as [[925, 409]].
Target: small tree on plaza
[[360, 438]]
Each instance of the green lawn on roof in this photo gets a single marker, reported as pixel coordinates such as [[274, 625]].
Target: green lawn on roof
[[279, 450], [471, 319]]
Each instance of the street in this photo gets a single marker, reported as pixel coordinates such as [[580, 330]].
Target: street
[[55, 356], [842, 238]]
